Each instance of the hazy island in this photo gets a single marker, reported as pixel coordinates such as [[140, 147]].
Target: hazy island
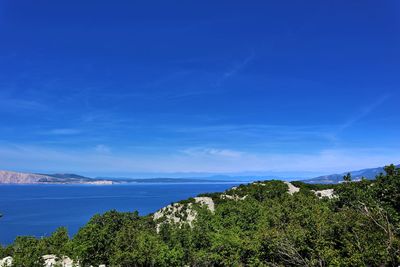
[[11, 177]]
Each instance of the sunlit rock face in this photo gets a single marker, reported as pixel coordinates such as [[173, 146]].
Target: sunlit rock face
[[292, 189], [6, 262], [54, 261], [329, 193], [180, 213]]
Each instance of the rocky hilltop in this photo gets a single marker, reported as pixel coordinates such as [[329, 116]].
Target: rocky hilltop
[[11, 177]]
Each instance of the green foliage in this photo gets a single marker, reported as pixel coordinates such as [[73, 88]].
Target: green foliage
[[315, 187], [260, 225], [135, 246], [6, 251], [28, 251], [261, 190], [386, 188], [93, 243], [58, 243], [347, 177]]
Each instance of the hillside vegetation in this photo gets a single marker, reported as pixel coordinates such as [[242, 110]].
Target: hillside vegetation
[[260, 224]]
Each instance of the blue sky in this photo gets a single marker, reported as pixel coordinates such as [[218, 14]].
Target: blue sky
[[165, 87]]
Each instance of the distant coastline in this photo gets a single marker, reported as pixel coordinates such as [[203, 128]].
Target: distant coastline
[[11, 177]]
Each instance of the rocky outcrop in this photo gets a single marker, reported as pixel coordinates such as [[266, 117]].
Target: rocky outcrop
[[329, 193], [232, 197], [6, 262], [54, 261], [180, 213], [206, 201], [49, 261], [291, 188], [231, 194]]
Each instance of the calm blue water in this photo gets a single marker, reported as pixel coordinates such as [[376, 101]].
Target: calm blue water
[[39, 209]]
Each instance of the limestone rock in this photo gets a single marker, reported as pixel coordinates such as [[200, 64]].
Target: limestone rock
[[292, 189], [329, 193], [6, 262]]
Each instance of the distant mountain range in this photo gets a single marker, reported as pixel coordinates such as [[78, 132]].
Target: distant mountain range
[[11, 177], [369, 174]]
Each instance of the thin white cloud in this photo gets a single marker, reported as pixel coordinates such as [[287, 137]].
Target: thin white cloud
[[13, 104], [364, 112], [214, 152], [235, 69], [254, 133], [62, 131], [37, 159], [100, 148]]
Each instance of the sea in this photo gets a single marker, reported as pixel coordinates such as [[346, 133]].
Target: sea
[[38, 210]]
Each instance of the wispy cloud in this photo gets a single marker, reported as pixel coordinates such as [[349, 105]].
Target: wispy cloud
[[235, 69], [250, 133], [213, 152], [212, 160], [13, 98], [62, 131], [101, 148], [16, 104], [200, 87], [364, 112]]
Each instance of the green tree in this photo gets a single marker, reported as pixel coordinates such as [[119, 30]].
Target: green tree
[[28, 252], [347, 177], [58, 243], [372, 215], [93, 243], [134, 246]]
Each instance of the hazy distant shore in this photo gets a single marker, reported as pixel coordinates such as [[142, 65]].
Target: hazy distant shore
[[11, 177]]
